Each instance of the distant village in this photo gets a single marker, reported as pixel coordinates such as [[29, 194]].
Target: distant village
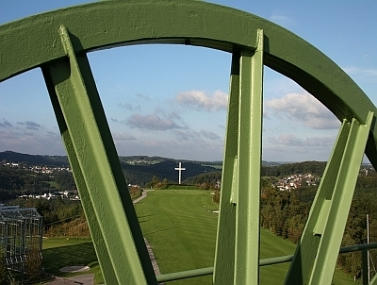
[[65, 195], [287, 183], [296, 181], [36, 168]]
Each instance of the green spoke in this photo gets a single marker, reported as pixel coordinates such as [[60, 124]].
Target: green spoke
[[112, 219], [94, 157], [249, 166], [239, 209], [111, 23], [95, 231], [315, 258], [224, 257]]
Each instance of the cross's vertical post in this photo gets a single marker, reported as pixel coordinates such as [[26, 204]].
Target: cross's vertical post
[[180, 169]]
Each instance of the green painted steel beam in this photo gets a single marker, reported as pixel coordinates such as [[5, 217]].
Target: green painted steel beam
[[112, 23], [95, 231], [249, 158], [119, 243], [185, 274], [316, 254], [263, 262], [225, 241], [240, 200], [113, 224], [358, 247]]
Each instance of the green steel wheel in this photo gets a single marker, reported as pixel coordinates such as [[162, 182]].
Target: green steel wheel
[[58, 42]]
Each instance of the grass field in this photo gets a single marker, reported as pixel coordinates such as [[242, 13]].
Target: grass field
[[62, 241], [181, 228], [60, 252], [181, 187]]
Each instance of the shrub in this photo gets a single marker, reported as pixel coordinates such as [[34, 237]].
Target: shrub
[[33, 265]]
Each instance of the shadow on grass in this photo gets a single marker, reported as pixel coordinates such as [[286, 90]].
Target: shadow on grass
[[58, 257]]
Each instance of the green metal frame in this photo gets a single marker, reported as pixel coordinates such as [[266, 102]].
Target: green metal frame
[[58, 43], [270, 261], [317, 251]]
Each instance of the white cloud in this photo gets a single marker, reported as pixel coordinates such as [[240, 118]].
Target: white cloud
[[177, 143], [304, 108], [353, 70], [291, 140], [282, 20], [289, 147], [5, 124], [152, 122], [277, 84], [130, 107], [143, 96], [192, 135], [209, 135], [33, 142], [200, 100], [122, 137], [30, 125]]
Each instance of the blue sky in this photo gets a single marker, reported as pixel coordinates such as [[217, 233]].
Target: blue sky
[[171, 100]]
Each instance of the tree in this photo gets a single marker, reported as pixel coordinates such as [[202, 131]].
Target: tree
[[164, 183], [33, 264]]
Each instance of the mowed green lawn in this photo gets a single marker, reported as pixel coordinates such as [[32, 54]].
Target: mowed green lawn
[[60, 252], [181, 227]]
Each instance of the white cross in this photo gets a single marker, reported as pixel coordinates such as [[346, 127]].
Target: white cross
[[179, 168]]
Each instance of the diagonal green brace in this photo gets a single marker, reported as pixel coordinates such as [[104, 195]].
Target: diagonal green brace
[[238, 262], [112, 218], [316, 254], [98, 242], [224, 256]]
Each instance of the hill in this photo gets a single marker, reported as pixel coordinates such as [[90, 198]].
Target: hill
[[141, 174], [40, 160], [137, 169], [313, 167], [141, 169]]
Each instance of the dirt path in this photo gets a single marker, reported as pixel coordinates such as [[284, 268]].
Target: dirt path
[[149, 248], [85, 279], [88, 279], [143, 195], [152, 257]]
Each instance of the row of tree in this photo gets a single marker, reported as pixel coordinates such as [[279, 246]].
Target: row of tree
[[15, 182], [285, 213], [53, 211]]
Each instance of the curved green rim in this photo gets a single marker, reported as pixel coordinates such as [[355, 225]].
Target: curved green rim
[[34, 41]]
